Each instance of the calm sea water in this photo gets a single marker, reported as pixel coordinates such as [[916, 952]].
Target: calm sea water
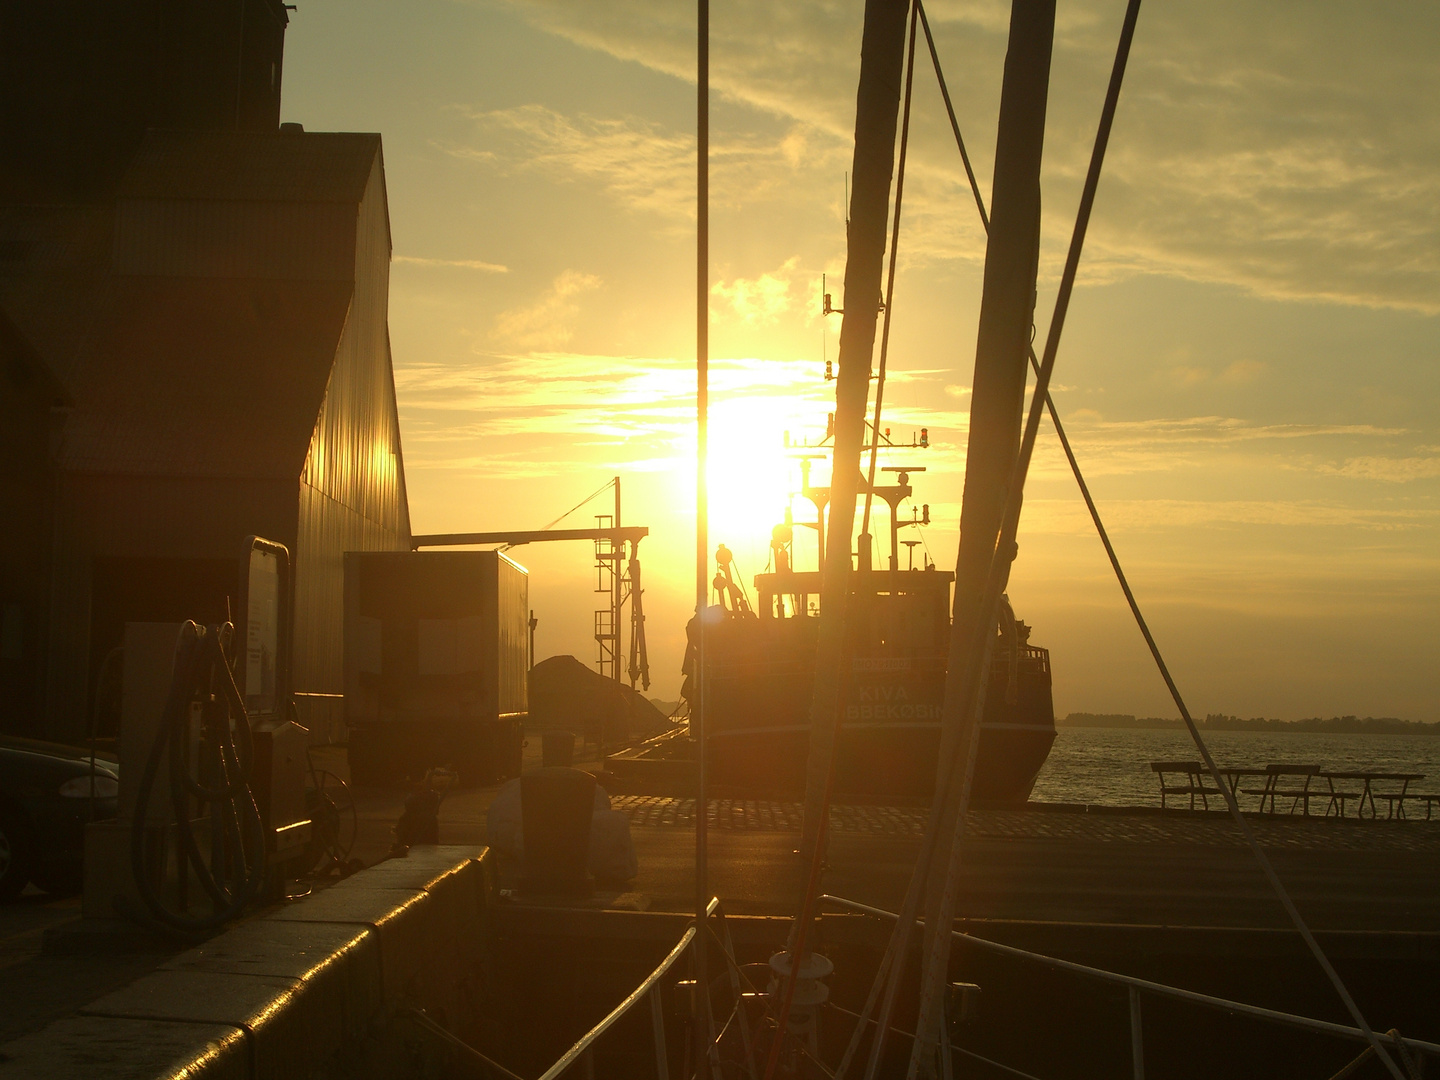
[[1111, 766]]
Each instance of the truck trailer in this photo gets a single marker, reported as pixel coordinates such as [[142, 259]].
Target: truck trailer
[[436, 657]]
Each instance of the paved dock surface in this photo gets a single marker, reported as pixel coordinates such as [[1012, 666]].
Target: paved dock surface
[[1048, 822], [1051, 864], [1065, 879], [1055, 865]]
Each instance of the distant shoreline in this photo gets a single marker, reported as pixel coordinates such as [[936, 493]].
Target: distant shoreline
[[1315, 725]]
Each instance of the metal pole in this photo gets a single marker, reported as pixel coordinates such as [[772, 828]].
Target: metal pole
[[702, 539], [1137, 1038]]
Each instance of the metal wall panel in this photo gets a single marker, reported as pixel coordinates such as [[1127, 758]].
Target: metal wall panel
[[209, 238], [354, 454], [420, 636], [349, 494], [300, 167], [327, 529], [352, 493], [512, 620]]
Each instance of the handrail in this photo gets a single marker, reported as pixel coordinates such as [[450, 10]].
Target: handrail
[[1160, 989], [585, 1041], [424, 1019]]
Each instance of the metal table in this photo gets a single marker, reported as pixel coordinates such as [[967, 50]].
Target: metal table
[[1233, 776], [1367, 794]]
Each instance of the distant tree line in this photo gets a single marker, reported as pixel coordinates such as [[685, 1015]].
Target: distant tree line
[[1334, 725]]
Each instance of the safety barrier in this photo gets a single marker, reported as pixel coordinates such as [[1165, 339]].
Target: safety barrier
[[697, 935], [1135, 987]]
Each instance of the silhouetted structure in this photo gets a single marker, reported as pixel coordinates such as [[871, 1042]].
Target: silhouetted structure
[[565, 695], [194, 337], [82, 80]]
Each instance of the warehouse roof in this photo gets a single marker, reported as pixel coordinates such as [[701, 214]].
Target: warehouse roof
[[261, 166]]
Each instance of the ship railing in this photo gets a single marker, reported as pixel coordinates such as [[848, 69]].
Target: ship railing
[[651, 989], [1003, 657], [1136, 987]]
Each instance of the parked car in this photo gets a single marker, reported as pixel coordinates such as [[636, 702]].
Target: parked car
[[48, 792]]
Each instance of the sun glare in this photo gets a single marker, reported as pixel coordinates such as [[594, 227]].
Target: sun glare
[[754, 478]]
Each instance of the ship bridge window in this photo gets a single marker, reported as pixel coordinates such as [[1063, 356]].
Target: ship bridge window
[[790, 605]]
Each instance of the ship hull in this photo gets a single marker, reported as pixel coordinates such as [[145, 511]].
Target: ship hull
[[891, 761], [758, 731]]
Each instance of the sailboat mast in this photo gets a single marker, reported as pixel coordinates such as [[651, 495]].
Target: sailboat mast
[[1007, 309], [877, 107]]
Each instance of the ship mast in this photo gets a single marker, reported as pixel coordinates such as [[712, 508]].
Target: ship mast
[[877, 107]]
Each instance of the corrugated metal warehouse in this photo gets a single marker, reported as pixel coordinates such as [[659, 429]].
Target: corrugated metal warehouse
[[195, 349]]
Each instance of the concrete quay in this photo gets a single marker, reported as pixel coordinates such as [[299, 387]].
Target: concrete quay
[[317, 987]]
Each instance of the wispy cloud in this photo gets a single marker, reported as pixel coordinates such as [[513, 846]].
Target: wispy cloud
[[1290, 152], [643, 165], [763, 299], [1130, 447], [546, 324], [636, 406], [1217, 429], [1392, 470], [459, 264]]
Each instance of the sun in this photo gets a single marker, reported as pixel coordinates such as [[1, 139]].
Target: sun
[[754, 477]]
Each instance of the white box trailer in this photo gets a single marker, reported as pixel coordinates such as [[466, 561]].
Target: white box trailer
[[436, 652]]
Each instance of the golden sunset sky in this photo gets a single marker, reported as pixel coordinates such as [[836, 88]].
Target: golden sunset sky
[[1250, 370]]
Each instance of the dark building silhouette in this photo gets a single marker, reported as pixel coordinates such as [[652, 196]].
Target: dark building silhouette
[[82, 80], [194, 342]]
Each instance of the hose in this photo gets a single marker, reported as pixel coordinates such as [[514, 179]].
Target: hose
[[233, 874]]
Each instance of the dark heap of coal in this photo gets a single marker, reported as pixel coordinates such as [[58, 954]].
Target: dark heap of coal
[[566, 695]]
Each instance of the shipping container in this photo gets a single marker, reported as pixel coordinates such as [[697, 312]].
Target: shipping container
[[435, 664]]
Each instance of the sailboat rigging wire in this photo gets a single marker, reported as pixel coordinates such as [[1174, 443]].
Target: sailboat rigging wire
[[995, 583], [954, 124], [1231, 802], [890, 281], [864, 1022], [1005, 549]]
